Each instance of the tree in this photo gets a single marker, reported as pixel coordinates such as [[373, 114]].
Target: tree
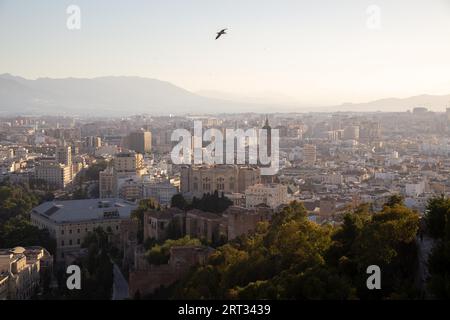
[[294, 258], [16, 201], [209, 202], [395, 199], [386, 239], [92, 173], [138, 214], [79, 193], [438, 223], [259, 266], [437, 216], [160, 254], [18, 231], [96, 268], [178, 201], [439, 267]]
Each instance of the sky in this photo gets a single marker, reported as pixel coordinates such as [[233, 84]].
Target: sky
[[317, 52]]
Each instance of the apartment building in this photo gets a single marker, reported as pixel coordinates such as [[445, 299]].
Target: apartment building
[[161, 191], [139, 141], [309, 153], [272, 195], [107, 183], [21, 271], [128, 164], [53, 173]]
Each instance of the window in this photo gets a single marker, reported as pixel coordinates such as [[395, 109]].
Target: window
[[220, 184], [78, 231], [70, 231], [70, 242], [78, 241], [206, 184], [62, 243]]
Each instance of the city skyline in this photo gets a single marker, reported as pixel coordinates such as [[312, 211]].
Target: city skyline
[[236, 151]]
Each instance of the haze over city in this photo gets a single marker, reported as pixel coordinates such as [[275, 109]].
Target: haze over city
[[224, 155], [320, 53]]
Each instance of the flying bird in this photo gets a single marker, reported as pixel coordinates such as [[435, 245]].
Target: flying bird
[[221, 32]]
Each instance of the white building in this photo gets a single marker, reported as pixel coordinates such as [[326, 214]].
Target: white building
[[160, 191], [272, 195], [415, 189], [333, 178]]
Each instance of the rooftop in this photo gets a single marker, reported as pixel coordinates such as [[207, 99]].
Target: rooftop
[[84, 210], [204, 214]]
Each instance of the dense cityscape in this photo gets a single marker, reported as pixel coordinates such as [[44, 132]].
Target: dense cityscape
[[206, 159], [352, 190]]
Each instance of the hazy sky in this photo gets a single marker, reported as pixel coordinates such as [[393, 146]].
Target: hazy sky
[[319, 52]]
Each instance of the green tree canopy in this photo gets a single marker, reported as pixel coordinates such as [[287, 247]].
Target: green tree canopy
[[160, 254], [294, 258], [438, 223]]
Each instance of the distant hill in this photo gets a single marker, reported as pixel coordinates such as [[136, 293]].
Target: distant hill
[[105, 96], [116, 96], [432, 102]]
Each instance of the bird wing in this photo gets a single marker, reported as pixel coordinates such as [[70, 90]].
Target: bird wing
[[218, 35]]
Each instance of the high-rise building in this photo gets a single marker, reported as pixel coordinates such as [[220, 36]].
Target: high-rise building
[[161, 141], [107, 183], [128, 164], [369, 132], [139, 141], [54, 173], [309, 153], [268, 129], [63, 155], [351, 133], [92, 143]]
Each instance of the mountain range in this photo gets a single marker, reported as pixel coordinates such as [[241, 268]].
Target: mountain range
[[119, 96]]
